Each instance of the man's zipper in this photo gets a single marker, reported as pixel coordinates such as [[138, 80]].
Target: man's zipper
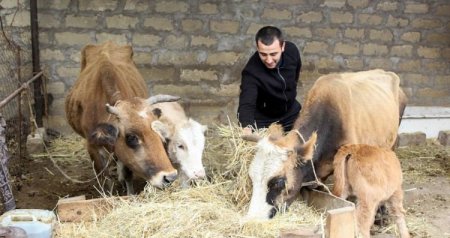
[[284, 90]]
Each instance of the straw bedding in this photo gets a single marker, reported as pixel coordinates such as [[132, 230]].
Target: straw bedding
[[212, 208]]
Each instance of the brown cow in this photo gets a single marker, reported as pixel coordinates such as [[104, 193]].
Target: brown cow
[[346, 108], [373, 175], [109, 77]]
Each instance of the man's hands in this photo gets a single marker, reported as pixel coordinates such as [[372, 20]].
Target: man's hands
[[247, 131]]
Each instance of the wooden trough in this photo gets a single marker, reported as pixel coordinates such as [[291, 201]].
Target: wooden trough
[[340, 221]]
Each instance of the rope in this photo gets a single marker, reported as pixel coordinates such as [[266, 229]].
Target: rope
[[313, 168]]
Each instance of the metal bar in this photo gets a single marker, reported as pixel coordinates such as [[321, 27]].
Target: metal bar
[[15, 93], [39, 102]]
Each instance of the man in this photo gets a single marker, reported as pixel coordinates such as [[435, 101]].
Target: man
[[269, 83]]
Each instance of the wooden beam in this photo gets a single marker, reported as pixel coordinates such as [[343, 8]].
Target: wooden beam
[[78, 209]]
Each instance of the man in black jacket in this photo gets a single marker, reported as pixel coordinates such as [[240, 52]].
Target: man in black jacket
[[269, 83]]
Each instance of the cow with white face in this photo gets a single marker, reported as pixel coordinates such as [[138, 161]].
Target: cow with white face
[[185, 141], [347, 108], [273, 170]]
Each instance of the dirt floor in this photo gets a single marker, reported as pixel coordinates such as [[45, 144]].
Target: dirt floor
[[38, 183]]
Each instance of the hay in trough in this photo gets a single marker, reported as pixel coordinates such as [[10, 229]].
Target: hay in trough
[[213, 208]]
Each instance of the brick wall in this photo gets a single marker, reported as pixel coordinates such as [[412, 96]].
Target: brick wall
[[196, 49]]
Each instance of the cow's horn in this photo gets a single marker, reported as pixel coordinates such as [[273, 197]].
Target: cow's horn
[[251, 137], [161, 98], [112, 109]]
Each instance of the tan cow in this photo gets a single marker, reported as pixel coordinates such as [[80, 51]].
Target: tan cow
[[345, 108], [107, 105], [185, 141], [373, 175]]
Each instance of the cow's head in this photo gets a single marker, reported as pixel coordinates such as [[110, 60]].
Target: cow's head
[[186, 147], [275, 171], [134, 134]]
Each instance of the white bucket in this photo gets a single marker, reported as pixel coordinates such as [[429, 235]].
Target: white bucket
[[37, 223]]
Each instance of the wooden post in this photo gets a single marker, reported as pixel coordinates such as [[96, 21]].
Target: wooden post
[[340, 223]]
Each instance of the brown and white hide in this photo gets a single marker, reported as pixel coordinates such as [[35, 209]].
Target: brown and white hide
[[109, 106], [342, 108]]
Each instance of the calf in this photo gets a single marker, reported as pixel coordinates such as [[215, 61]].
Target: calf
[[185, 140], [373, 175]]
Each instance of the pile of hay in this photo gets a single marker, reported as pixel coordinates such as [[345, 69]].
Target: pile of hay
[[213, 208]]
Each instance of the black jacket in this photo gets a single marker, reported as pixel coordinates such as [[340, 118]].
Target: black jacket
[[269, 93]]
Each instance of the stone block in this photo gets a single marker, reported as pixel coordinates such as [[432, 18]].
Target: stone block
[[297, 32], [375, 49], [369, 19], [387, 6], [191, 25], [410, 139], [81, 21], [99, 5], [275, 14], [444, 138], [347, 49], [412, 37], [121, 22], [428, 52], [35, 143], [70, 38], [146, 40], [171, 6], [203, 41], [225, 26], [222, 58], [354, 33], [416, 8], [402, 51], [159, 23], [340, 17], [208, 8], [310, 17]]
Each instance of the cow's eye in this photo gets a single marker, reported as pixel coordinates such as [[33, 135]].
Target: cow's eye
[[277, 184], [180, 146], [132, 140]]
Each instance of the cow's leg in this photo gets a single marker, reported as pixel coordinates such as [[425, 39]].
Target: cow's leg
[[396, 203], [365, 215], [125, 175]]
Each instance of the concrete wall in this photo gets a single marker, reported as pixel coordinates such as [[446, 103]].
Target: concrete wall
[[196, 49]]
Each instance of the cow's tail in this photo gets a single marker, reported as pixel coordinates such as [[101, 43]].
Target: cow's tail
[[340, 177]]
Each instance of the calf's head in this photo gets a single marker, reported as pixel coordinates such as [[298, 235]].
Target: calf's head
[[275, 171], [186, 147], [134, 134]]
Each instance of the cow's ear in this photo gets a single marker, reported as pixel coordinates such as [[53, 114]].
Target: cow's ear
[[161, 129], [306, 151], [104, 134], [84, 53]]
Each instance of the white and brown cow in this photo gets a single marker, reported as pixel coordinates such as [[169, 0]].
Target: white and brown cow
[[109, 106], [346, 108], [185, 140], [373, 175]]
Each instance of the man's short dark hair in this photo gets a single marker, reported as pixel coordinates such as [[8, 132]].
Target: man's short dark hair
[[268, 34]]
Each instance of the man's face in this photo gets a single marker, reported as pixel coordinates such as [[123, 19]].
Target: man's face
[[270, 54]]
